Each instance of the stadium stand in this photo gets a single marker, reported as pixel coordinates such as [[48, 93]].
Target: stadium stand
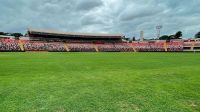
[[81, 47], [123, 47], [106, 47], [52, 41], [197, 44], [149, 46], [9, 45], [188, 46], [175, 46], [35, 46], [56, 47]]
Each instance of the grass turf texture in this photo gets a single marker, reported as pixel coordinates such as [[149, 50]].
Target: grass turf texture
[[89, 82]]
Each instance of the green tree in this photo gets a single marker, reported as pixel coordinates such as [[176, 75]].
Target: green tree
[[178, 35], [197, 35], [172, 37], [164, 37], [16, 34], [2, 33], [133, 39]]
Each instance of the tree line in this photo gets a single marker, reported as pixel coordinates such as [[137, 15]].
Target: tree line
[[197, 35], [17, 35], [178, 35]]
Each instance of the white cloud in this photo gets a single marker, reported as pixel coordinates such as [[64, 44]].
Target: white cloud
[[111, 16]]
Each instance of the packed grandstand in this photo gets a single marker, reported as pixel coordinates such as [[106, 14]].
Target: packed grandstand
[[52, 41]]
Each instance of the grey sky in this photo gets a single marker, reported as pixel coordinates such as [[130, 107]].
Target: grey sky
[[128, 17]]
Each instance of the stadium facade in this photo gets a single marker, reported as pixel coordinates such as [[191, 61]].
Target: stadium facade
[[55, 41]]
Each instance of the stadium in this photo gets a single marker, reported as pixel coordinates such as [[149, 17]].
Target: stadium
[[99, 56], [44, 71], [54, 41]]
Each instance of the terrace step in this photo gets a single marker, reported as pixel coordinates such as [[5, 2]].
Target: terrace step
[[193, 45], [96, 48], [134, 49], [66, 48], [165, 46], [21, 45]]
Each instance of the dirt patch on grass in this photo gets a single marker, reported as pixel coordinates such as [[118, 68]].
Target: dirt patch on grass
[[194, 106], [127, 107]]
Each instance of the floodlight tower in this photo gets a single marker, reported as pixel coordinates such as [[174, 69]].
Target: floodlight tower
[[141, 35], [158, 28]]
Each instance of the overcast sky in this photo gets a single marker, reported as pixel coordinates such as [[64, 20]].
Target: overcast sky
[[128, 17]]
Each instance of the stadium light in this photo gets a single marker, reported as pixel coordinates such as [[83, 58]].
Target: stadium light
[[158, 28]]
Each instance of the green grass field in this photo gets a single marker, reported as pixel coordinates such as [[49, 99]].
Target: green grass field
[[100, 82]]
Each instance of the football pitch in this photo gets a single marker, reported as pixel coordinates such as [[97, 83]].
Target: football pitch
[[99, 82]]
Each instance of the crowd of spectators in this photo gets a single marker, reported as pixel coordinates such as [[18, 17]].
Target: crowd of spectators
[[55, 47], [114, 47], [9, 45], [78, 47], [78, 41], [123, 47], [106, 47], [34, 46], [175, 46], [149, 46], [15, 45], [44, 46]]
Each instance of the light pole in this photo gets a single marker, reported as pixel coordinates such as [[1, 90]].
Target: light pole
[[158, 28]]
